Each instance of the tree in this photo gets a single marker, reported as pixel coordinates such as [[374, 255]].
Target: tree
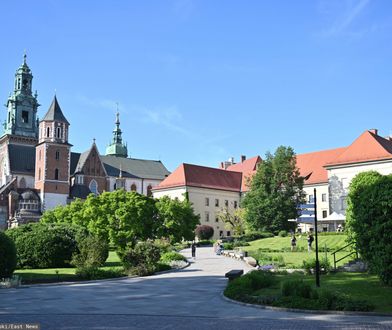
[[7, 256], [176, 218], [275, 192], [369, 221], [204, 232], [235, 219]]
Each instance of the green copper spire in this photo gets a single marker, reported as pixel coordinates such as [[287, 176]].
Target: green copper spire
[[22, 105], [117, 147]]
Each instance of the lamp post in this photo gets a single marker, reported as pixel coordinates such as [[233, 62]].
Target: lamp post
[[315, 228]]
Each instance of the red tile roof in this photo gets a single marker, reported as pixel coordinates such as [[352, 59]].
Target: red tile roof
[[202, 177], [367, 147], [246, 166], [312, 164]]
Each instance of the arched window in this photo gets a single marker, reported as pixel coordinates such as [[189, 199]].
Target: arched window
[[133, 187], [39, 155], [39, 174], [47, 131], [93, 186], [149, 192], [58, 132], [22, 183], [57, 154], [56, 174]]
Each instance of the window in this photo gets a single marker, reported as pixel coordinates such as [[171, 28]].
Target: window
[[133, 187], [235, 204], [207, 201], [221, 233], [149, 191], [58, 132], [57, 155], [228, 234], [47, 131], [39, 174], [93, 186], [207, 216], [216, 202], [25, 116], [39, 155], [324, 197], [79, 179], [216, 219], [226, 203], [56, 174], [22, 183], [310, 199], [325, 213]]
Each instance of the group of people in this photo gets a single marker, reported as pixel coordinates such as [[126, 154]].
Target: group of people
[[294, 242]]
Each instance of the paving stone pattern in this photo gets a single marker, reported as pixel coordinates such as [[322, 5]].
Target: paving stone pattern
[[186, 299]]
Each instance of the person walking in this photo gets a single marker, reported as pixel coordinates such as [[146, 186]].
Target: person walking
[[310, 241], [193, 248], [293, 243]]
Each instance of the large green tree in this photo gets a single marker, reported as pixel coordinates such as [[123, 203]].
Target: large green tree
[[369, 221], [275, 192], [176, 218]]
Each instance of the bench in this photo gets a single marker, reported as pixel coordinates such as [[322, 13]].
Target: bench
[[234, 273]]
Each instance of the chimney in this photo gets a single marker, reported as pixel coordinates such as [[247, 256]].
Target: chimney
[[373, 130], [231, 160], [243, 158]]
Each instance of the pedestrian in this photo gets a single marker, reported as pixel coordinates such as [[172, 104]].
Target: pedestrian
[[293, 243], [310, 241], [193, 248]]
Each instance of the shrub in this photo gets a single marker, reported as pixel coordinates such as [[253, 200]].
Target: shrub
[[92, 253], [238, 243], [369, 221], [254, 235], [142, 260], [204, 232], [228, 246], [297, 288], [279, 260], [283, 233], [172, 256], [7, 256], [205, 242], [248, 283], [40, 245], [93, 273], [310, 265]]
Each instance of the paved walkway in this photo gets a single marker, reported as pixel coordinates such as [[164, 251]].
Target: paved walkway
[[187, 299]]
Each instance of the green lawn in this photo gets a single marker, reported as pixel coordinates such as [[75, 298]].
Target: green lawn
[[280, 246], [358, 286], [63, 274]]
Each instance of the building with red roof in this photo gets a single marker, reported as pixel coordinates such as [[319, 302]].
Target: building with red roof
[[329, 171]]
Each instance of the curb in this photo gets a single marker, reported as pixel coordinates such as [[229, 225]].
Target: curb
[[102, 280], [307, 311]]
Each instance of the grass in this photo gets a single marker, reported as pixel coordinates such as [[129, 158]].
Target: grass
[[280, 246], [49, 275], [357, 286]]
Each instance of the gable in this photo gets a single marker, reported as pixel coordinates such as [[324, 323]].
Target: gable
[[90, 163]]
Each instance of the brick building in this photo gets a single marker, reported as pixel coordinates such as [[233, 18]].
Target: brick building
[[38, 170]]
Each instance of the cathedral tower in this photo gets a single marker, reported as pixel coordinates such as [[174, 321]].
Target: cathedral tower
[[117, 147], [22, 105], [52, 164]]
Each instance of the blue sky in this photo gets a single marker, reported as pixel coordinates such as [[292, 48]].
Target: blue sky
[[200, 81]]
